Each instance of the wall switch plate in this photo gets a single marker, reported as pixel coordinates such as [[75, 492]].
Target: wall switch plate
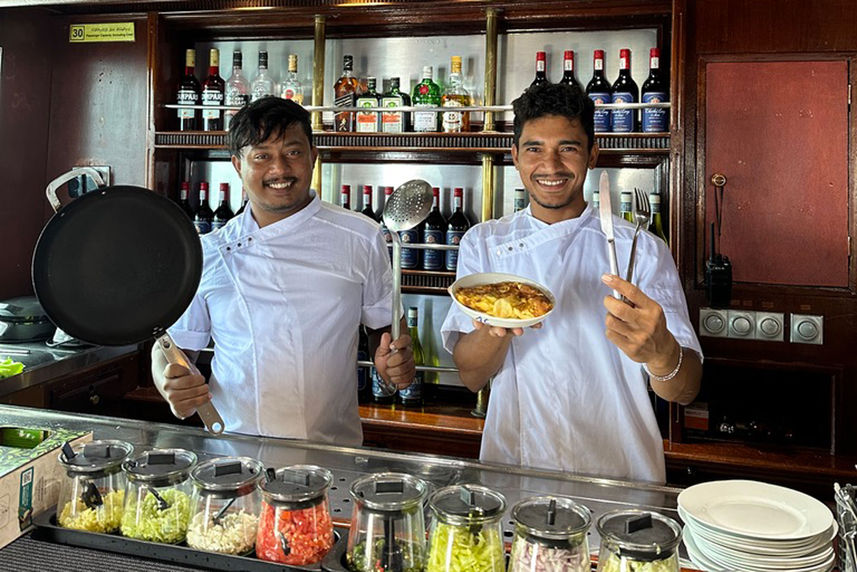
[[712, 322], [770, 326], [84, 183], [807, 329], [741, 324]]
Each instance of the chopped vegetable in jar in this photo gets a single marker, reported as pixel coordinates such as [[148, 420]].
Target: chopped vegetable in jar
[[147, 522], [300, 537], [412, 557], [105, 517], [461, 549], [625, 564], [233, 533], [535, 557]]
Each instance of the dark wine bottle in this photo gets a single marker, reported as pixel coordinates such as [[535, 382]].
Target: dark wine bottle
[[367, 202], [568, 70], [625, 90], [204, 215], [213, 90], [189, 93], [599, 91], [345, 197], [184, 202], [655, 90], [541, 70], [243, 203], [223, 212], [458, 225], [434, 232]]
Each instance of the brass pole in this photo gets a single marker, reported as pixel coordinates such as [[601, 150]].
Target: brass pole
[[318, 93], [487, 187], [490, 66]]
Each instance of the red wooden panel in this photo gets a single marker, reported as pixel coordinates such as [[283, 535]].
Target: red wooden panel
[[779, 132]]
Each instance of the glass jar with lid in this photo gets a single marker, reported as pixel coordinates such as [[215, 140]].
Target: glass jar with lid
[[634, 539], [225, 505], [466, 532], [157, 499], [294, 523], [550, 534], [92, 496], [387, 524]]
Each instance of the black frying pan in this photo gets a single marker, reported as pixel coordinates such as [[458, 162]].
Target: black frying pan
[[118, 266]]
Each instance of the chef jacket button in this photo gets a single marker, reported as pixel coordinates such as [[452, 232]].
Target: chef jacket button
[[228, 248], [239, 245], [520, 245], [510, 248]]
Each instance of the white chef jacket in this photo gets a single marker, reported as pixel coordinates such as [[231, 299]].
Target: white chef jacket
[[565, 397], [283, 304]]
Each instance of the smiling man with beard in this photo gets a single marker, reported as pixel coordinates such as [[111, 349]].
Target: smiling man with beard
[[571, 395], [284, 288]]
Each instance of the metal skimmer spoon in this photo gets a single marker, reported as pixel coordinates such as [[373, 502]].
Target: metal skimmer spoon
[[407, 207]]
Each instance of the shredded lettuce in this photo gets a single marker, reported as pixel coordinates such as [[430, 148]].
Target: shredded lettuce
[[625, 564], [460, 549], [8, 368], [145, 521]]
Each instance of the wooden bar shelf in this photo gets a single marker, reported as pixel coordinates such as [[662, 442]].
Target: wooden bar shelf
[[426, 281]]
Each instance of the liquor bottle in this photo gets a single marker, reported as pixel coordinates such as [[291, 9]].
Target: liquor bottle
[[655, 90], [596, 200], [394, 121], [568, 70], [455, 96], [263, 85], [223, 212], [434, 232], [598, 89], [656, 226], [520, 200], [183, 202], [243, 203], [367, 202], [384, 230], [237, 89], [625, 208], [364, 385], [541, 70], [345, 197], [345, 94], [426, 94], [203, 216], [458, 225], [291, 87], [624, 91], [413, 394], [189, 93], [212, 93], [368, 121]]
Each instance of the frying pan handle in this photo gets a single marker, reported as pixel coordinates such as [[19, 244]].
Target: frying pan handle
[[207, 412], [51, 191]]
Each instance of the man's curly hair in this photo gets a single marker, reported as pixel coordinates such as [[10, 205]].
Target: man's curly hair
[[255, 122], [554, 99]]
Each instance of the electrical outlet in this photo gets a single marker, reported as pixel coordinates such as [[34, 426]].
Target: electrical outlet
[[103, 170], [806, 329], [712, 323], [769, 326], [741, 324]]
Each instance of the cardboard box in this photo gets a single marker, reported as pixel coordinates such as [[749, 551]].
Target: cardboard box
[[30, 474]]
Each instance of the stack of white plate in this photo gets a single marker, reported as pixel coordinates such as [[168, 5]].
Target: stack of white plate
[[756, 527]]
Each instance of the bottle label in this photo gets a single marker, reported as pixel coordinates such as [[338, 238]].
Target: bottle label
[[599, 65], [235, 98], [425, 121], [520, 204], [602, 116], [187, 97], [622, 120], [655, 120], [367, 121], [217, 223], [386, 234], [392, 121], [379, 388], [540, 65], [410, 256], [453, 237], [202, 226], [568, 65], [433, 259], [414, 392], [211, 97], [452, 120], [344, 121]]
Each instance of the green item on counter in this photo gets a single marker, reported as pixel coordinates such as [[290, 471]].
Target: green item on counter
[[616, 564], [456, 548], [104, 518], [147, 522], [412, 557], [8, 368]]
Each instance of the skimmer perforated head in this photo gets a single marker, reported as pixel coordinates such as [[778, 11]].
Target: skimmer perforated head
[[408, 206]]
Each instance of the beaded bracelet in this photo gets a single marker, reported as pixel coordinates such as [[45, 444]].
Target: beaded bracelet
[[671, 374]]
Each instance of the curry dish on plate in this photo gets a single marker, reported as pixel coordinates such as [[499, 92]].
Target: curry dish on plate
[[505, 300]]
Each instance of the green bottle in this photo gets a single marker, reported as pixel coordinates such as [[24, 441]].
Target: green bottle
[[426, 94], [656, 226], [413, 394], [625, 206]]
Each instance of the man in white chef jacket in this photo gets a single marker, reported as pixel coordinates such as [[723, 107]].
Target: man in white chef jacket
[[284, 287], [571, 395]]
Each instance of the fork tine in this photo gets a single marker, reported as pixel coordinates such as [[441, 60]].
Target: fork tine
[[642, 201]]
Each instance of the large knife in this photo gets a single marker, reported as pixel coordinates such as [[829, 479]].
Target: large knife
[[606, 215]]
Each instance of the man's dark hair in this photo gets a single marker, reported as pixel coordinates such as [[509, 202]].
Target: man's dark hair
[[264, 117], [554, 99]]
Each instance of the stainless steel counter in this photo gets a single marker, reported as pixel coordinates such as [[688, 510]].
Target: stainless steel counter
[[43, 363], [600, 495]]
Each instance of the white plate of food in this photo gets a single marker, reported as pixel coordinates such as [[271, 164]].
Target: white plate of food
[[503, 300]]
